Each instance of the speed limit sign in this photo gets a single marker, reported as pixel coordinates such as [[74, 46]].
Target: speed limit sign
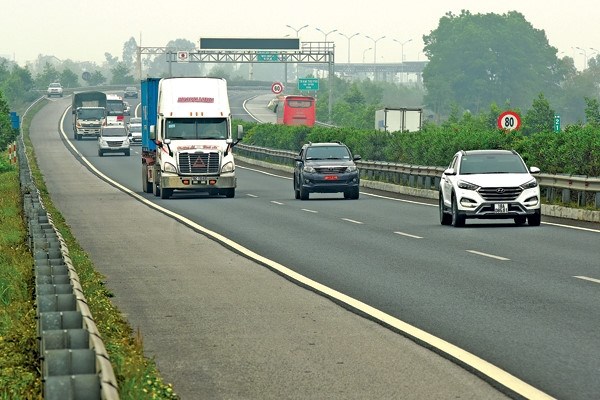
[[509, 120], [277, 87]]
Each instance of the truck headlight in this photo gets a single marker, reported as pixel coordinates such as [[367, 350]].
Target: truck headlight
[[228, 167], [170, 168]]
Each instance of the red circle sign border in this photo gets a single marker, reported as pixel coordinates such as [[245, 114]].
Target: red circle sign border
[[277, 88], [507, 113]]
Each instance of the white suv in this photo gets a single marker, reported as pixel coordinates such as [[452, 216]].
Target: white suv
[[55, 89], [489, 184]]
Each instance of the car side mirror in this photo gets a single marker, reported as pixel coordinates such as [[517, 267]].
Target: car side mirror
[[534, 170], [298, 159], [357, 157], [449, 171]]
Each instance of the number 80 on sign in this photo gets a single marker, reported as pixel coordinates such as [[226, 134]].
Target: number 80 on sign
[[509, 120]]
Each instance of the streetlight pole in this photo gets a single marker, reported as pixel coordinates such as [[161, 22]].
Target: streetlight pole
[[297, 33], [375, 55], [402, 57], [326, 33], [364, 51], [349, 37], [584, 55], [297, 30]]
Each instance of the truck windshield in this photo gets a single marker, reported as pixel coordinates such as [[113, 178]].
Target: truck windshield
[[90, 114], [196, 129]]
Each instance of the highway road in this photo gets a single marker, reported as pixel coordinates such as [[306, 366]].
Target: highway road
[[519, 304]]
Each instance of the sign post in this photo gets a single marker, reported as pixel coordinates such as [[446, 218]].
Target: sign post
[[509, 121]]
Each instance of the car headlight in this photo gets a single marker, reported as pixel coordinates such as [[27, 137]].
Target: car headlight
[[352, 168], [530, 185], [467, 185], [228, 167], [170, 168], [310, 170]]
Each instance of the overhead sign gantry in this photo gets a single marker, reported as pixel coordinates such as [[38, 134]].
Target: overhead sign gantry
[[251, 50]]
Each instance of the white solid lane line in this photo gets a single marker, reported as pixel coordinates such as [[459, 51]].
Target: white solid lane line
[[488, 255], [586, 278]]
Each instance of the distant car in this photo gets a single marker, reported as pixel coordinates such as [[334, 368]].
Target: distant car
[[326, 168], [134, 120], [135, 132], [126, 108], [130, 91], [55, 89], [489, 184], [113, 139]]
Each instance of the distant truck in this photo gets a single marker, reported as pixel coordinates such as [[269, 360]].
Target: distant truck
[[89, 113], [399, 119], [187, 138]]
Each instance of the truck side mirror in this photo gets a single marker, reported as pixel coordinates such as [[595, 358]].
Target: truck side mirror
[[240, 132], [152, 133]]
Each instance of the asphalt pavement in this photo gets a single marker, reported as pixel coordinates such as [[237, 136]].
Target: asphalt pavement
[[221, 326]]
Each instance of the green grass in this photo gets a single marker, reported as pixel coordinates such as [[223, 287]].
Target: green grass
[[137, 375]]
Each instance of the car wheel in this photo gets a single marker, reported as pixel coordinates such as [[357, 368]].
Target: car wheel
[[535, 219], [445, 218], [127, 153], [100, 153], [304, 195], [354, 194], [458, 219], [520, 220], [296, 191]]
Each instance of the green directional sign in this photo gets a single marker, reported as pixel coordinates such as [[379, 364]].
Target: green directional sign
[[557, 123], [308, 84], [266, 57]]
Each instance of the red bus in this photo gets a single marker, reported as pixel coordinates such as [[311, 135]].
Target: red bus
[[296, 110]]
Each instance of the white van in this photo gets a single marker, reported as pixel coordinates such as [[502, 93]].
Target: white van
[[113, 139]]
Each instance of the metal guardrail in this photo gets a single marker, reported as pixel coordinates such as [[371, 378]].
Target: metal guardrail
[[581, 190], [74, 363]]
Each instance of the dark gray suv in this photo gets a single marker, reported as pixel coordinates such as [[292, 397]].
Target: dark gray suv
[[326, 168]]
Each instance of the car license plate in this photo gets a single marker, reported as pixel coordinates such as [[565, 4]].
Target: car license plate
[[331, 177], [501, 208]]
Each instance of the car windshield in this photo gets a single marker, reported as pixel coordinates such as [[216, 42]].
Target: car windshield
[[116, 131], [492, 164], [327, 153], [195, 129], [55, 85], [135, 128]]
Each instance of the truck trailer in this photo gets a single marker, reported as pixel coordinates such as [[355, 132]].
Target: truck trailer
[[399, 119], [89, 113], [187, 138]]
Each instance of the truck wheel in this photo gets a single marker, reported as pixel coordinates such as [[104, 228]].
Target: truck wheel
[[78, 137], [127, 153], [146, 186], [155, 189], [166, 193], [229, 193]]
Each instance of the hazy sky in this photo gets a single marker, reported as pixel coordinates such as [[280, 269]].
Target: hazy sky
[[84, 30]]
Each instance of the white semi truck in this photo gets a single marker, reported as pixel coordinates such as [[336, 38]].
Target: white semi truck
[[187, 138], [89, 113]]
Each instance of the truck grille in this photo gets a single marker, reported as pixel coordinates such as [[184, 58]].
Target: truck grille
[[199, 163], [500, 193]]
